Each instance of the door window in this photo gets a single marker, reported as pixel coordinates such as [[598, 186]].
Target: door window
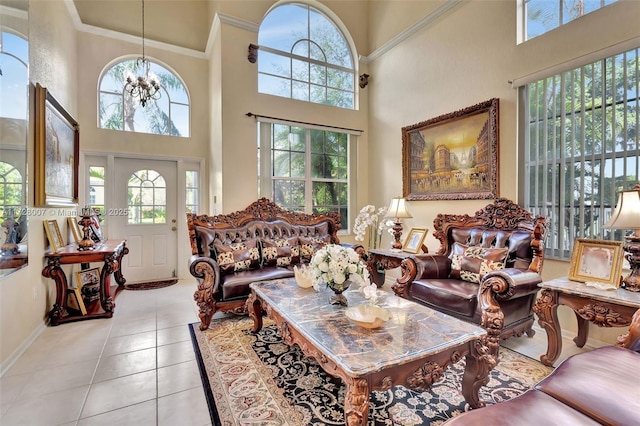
[[147, 198]]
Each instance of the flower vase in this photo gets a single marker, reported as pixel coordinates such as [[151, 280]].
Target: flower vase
[[338, 298]]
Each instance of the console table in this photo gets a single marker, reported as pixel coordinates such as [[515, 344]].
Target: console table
[[110, 252], [604, 308]]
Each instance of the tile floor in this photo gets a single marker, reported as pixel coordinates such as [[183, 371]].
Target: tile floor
[[137, 368]]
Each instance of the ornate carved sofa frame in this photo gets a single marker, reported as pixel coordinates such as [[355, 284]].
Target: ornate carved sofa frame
[[221, 288], [503, 299]]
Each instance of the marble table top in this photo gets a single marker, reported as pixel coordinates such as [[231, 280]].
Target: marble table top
[[618, 296], [413, 332]]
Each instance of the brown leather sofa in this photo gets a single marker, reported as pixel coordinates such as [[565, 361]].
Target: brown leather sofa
[[486, 271], [598, 387], [261, 242]]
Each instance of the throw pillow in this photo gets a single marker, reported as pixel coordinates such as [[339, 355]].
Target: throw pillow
[[472, 263], [309, 246], [238, 257], [280, 252]]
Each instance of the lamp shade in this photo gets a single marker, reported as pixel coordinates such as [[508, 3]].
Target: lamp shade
[[398, 209], [627, 212]]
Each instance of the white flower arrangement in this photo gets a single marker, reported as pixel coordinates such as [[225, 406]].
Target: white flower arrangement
[[333, 265], [371, 219]]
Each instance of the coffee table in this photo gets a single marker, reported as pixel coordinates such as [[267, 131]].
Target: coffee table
[[412, 349]]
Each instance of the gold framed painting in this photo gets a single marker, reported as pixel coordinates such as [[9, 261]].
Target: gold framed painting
[[453, 156], [57, 148], [414, 240], [596, 261], [54, 236]]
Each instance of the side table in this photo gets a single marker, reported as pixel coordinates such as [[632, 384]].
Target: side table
[[110, 252], [604, 308], [385, 259]]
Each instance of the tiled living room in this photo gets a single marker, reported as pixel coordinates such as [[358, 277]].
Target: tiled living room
[[495, 142]]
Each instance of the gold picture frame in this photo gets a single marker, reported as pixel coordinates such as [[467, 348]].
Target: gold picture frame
[[88, 281], [74, 227], [596, 261], [57, 149], [414, 240], [453, 156], [54, 236]]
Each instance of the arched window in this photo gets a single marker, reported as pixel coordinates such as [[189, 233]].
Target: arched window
[[303, 55], [11, 186], [147, 198], [117, 110]]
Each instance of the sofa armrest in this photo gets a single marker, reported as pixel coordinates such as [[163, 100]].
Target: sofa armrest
[[207, 272], [418, 267]]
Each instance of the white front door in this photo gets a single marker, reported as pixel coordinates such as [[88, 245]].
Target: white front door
[[144, 214]]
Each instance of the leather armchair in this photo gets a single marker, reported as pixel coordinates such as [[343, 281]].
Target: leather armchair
[[501, 300]]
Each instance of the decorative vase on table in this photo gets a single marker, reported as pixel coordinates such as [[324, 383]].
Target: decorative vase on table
[[338, 298]]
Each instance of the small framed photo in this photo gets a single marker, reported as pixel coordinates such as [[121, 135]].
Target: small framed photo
[[76, 232], [596, 261], [53, 235], [88, 281], [413, 242]]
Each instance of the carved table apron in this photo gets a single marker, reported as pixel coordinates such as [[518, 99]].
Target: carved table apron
[[604, 308], [412, 349]]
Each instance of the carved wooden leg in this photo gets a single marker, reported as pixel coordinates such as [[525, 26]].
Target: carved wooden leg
[[55, 272], [356, 402], [255, 312], [583, 331], [479, 362], [546, 307]]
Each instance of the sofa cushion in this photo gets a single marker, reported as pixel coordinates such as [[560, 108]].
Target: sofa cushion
[[456, 297], [236, 285], [309, 246], [472, 263], [602, 383], [237, 257], [280, 251]]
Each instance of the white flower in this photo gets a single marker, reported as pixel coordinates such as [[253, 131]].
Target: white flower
[[334, 264], [370, 219]]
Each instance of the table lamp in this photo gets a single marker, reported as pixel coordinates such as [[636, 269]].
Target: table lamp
[[627, 216], [397, 211]]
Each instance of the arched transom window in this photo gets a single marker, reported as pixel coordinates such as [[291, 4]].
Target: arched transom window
[[147, 198], [303, 55], [118, 110]]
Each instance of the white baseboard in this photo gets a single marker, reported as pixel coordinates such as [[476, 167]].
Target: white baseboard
[[5, 366]]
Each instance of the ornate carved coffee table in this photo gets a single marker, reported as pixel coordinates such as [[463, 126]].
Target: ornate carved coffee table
[[412, 349]]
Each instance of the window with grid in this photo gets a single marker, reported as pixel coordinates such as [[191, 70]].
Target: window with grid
[[191, 177], [147, 198], [96, 188], [581, 147], [541, 16], [305, 169], [303, 55], [118, 110]]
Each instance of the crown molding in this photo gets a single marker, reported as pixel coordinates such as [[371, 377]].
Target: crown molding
[[237, 22], [425, 22], [13, 12]]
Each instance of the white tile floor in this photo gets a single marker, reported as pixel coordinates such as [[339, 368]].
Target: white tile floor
[[137, 368]]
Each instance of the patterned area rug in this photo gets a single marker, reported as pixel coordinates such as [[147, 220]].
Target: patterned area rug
[[151, 285], [258, 379]]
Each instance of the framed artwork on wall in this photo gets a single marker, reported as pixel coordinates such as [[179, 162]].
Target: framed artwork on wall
[[453, 156], [57, 147]]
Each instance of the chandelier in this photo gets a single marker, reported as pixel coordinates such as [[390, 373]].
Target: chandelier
[[144, 87]]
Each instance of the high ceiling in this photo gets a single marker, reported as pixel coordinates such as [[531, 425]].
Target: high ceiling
[[183, 23]]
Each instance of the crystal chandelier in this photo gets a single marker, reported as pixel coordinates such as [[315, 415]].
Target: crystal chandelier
[[144, 87]]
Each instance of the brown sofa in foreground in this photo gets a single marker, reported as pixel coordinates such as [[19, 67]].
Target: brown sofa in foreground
[[261, 242], [486, 271], [599, 387]]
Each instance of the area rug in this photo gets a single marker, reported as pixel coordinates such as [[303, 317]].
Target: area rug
[[258, 379], [150, 285]]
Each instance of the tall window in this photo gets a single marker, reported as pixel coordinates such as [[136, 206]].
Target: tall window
[[582, 147], [305, 169], [118, 110], [96, 188], [541, 16], [304, 56], [191, 202]]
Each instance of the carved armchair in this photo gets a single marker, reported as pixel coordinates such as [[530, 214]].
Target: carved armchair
[[486, 271]]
